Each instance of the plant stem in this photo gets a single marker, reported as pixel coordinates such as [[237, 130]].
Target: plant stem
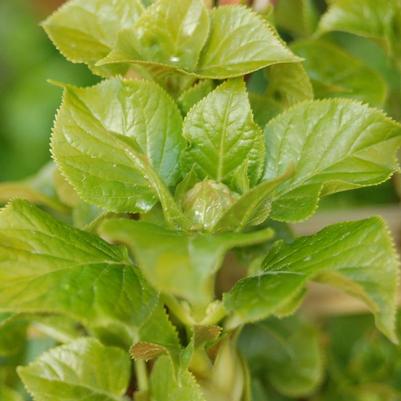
[[141, 376]]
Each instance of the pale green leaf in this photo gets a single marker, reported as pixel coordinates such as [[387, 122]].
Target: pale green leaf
[[82, 370], [178, 263], [240, 42], [222, 134], [169, 78], [333, 145], [64, 190], [194, 95], [286, 353], [49, 267], [170, 33], [189, 181], [226, 379], [206, 203], [336, 73], [378, 20], [166, 385], [358, 257], [111, 151], [250, 209], [86, 31]]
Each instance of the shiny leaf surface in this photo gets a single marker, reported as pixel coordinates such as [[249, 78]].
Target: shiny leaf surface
[[83, 369], [222, 134], [333, 145], [358, 257], [49, 267], [111, 151]]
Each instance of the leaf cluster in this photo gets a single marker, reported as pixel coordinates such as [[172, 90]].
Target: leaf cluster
[[167, 170]]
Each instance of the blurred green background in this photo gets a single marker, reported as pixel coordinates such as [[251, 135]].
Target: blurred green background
[[27, 101]]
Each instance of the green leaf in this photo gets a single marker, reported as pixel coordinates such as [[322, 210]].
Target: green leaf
[[379, 20], [297, 17], [49, 267], [156, 337], [194, 95], [285, 352], [335, 73], [333, 145], [83, 369], [169, 33], [226, 379], [85, 32], [264, 107], [205, 204], [166, 385], [111, 151], [178, 263], [222, 134], [287, 84], [240, 42], [252, 208], [357, 257], [64, 190]]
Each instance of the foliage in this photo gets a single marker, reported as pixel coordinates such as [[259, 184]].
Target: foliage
[[201, 140]]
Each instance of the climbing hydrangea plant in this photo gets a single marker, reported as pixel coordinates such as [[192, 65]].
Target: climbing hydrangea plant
[[162, 177]]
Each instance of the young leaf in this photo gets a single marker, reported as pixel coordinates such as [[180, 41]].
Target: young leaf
[[378, 20], [165, 385], [205, 204], [285, 352], [178, 263], [49, 267], [357, 257], [169, 33], [222, 134], [240, 42], [86, 31], [250, 209], [336, 73], [226, 378], [83, 369], [110, 151], [195, 94], [334, 145]]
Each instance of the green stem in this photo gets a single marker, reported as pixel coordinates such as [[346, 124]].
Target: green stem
[[141, 376]]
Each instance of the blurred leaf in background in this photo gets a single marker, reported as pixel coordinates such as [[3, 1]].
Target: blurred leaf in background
[[27, 101]]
